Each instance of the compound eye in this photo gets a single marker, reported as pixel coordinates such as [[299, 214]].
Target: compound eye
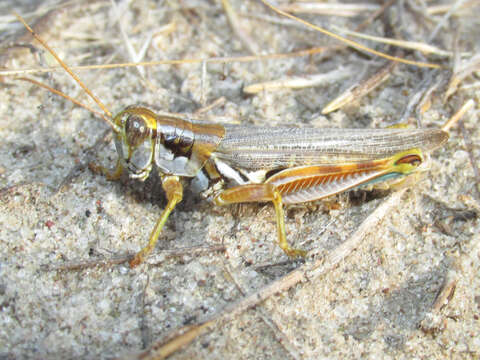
[[136, 130]]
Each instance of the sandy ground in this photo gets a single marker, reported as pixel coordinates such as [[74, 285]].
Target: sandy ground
[[379, 302]]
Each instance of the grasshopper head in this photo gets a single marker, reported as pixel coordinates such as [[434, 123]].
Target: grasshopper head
[[135, 140]]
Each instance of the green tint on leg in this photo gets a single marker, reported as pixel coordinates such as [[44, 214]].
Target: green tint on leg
[[282, 238], [174, 192]]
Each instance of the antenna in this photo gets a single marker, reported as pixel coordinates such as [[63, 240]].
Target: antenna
[[108, 114]]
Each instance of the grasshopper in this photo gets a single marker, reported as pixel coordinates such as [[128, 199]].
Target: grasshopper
[[231, 164]]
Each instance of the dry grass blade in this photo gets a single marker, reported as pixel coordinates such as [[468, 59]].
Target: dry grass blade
[[135, 57], [361, 89], [244, 37], [290, 349], [411, 45], [460, 72], [445, 8], [157, 259], [217, 60], [469, 104], [350, 42], [299, 82], [442, 23], [334, 9]]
